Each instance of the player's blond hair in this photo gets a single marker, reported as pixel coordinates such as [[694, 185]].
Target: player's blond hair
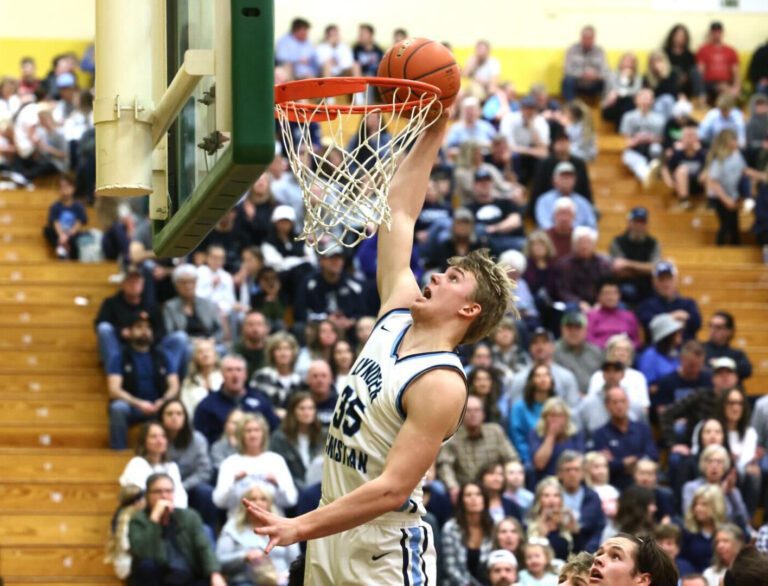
[[578, 566], [493, 292]]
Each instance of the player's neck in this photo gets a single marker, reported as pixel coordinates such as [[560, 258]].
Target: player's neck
[[427, 337]]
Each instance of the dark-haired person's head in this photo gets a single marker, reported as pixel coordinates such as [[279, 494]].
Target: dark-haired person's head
[[669, 537], [749, 568], [609, 294], [637, 508], [692, 359], [626, 560], [721, 328], [299, 24]]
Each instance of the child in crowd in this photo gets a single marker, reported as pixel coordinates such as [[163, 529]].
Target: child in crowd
[[683, 168], [66, 217], [514, 473], [597, 478], [538, 564], [118, 551]]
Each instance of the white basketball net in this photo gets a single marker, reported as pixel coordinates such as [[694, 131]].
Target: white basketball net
[[345, 186]]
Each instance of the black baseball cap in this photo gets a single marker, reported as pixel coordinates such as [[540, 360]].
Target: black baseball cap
[[539, 332], [638, 214], [140, 316], [483, 174]]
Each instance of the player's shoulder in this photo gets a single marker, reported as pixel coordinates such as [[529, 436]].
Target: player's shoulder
[[436, 388]]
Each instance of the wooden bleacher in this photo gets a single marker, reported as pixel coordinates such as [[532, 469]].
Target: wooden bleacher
[[730, 278], [58, 484]]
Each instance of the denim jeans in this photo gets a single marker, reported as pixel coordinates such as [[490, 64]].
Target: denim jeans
[[148, 572], [122, 415], [201, 499], [573, 86]]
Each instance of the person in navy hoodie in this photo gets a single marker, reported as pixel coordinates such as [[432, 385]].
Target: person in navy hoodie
[[582, 500], [212, 412], [625, 441], [667, 299]]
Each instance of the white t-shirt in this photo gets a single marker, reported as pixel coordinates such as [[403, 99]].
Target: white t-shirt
[[340, 56], [216, 286], [22, 129], [228, 490], [633, 383], [743, 449], [139, 469], [513, 127], [488, 71], [302, 441]]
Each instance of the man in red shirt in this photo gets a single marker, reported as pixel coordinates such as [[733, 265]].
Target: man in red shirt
[[719, 64]]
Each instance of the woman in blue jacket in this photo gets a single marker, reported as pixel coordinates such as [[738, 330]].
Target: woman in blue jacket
[[526, 412]]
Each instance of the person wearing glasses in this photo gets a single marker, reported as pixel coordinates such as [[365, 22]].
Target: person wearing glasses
[[722, 328], [169, 544]]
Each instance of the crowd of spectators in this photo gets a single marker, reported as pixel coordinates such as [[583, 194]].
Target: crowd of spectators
[[231, 360]]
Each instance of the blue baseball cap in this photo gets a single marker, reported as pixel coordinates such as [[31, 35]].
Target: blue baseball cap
[[664, 267], [65, 80], [638, 214]]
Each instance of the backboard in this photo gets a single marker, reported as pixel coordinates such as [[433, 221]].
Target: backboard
[[225, 134], [184, 108]]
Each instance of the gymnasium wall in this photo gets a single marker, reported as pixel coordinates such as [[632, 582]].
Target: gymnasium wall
[[529, 36], [43, 29]]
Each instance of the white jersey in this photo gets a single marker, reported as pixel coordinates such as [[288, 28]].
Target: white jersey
[[369, 412]]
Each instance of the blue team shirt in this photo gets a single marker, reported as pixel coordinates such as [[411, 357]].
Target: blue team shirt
[[67, 215]]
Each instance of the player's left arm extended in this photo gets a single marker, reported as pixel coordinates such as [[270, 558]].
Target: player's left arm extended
[[434, 404]]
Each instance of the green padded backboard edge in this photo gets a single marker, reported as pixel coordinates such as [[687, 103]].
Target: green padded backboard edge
[[253, 134]]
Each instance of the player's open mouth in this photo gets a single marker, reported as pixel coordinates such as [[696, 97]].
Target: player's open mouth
[[427, 293], [595, 577]]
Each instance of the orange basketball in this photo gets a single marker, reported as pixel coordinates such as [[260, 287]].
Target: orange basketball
[[422, 60]]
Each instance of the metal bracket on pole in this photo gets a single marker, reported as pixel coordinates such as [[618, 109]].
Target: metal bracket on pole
[[197, 64]]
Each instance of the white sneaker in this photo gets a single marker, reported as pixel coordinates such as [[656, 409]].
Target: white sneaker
[[61, 252]]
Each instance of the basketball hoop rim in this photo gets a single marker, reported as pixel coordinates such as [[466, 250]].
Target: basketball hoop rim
[[288, 94]]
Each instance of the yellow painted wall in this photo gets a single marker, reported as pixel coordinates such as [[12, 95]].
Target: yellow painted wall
[[43, 50], [528, 36], [548, 24]]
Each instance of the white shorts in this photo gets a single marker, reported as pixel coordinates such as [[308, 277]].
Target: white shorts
[[379, 554]]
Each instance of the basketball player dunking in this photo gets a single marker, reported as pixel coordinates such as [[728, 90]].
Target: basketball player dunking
[[406, 396]]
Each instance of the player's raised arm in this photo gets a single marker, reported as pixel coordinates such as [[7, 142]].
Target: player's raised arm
[[396, 283]]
